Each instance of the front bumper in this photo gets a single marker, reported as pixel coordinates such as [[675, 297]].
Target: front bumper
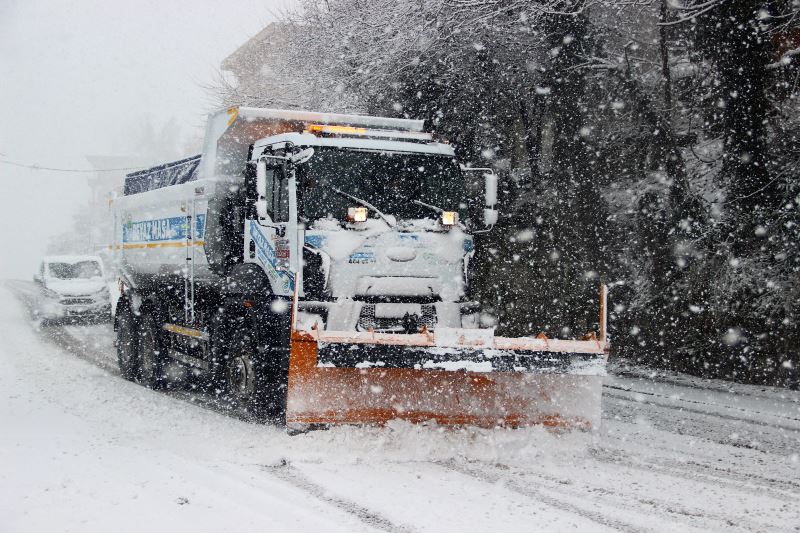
[[74, 307]]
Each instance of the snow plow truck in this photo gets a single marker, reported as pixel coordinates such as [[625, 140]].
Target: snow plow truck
[[315, 268]]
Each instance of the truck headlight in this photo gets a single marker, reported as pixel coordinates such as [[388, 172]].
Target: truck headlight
[[356, 214], [449, 218]]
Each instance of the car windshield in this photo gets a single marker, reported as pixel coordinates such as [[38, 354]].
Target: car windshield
[[388, 180], [79, 270]]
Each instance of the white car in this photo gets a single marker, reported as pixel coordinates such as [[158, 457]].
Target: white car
[[72, 286]]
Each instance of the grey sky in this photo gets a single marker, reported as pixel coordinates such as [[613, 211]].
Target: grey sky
[[79, 77]]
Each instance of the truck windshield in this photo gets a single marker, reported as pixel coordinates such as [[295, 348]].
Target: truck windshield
[[79, 270], [388, 180]]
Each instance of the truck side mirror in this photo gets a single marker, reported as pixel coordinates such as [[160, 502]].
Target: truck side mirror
[[490, 217], [490, 193], [37, 278], [302, 156], [261, 188], [490, 214]]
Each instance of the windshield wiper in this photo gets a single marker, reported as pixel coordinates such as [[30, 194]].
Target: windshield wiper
[[365, 204], [435, 209], [429, 206]]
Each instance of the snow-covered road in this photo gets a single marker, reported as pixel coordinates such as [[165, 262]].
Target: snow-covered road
[[81, 449]]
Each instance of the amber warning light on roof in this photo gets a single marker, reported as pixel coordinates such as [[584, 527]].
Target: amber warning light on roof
[[341, 130], [352, 131]]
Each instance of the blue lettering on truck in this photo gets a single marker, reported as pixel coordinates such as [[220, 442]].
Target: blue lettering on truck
[[267, 257], [162, 229]]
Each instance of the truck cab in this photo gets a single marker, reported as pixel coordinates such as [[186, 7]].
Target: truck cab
[[384, 219]]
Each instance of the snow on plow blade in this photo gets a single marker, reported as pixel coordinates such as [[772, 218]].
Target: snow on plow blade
[[452, 377]]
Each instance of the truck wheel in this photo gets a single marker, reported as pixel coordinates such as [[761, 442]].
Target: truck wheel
[[150, 351], [240, 373], [127, 356], [217, 379], [250, 380]]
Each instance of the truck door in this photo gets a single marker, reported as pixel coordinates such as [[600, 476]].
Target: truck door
[[267, 244]]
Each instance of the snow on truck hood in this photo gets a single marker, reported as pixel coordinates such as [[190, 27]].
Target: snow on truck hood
[[379, 260], [76, 287]]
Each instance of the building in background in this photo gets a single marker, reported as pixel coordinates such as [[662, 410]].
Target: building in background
[[251, 70]]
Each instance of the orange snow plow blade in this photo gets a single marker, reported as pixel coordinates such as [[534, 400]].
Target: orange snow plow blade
[[450, 377]]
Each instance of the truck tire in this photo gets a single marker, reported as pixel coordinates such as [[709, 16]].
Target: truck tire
[[276, 373], [127, 345], [253, 380], [216, 379], [151, 355], [240, 374]]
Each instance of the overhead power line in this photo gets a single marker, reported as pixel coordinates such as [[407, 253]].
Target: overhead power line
[[75, 170]]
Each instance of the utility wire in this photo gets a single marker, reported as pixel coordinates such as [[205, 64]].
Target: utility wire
[[77, 170]]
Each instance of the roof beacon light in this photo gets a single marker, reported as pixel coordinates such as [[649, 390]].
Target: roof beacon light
[[356, 214], [335, 130], [449, 218], [329, 130]]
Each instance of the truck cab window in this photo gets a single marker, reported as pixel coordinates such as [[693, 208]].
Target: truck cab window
[[277, 193], [281, 198], [270, 192]]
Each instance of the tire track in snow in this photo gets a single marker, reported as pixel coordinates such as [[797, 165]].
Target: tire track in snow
[[670, 512], [492, 477], [679, 406], [72, 344], [701, 424], [108, 362], [780, 489], [61, 336], [288, 473], [689, 382]]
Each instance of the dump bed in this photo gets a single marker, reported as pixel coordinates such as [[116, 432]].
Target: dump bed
[[173, 173]]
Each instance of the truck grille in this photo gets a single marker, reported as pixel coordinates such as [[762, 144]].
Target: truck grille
[[368, 321]]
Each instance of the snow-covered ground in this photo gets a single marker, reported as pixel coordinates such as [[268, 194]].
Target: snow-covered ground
[[81, 449]]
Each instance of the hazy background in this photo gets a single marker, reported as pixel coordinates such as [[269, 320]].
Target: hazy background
[[90, 77]]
